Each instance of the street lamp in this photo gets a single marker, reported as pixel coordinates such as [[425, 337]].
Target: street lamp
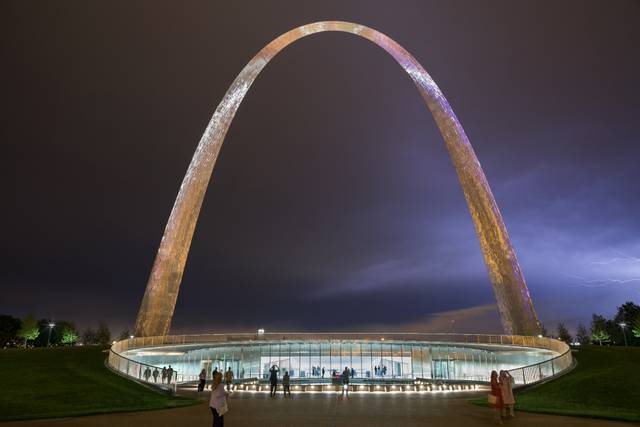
[[51, 325], [622, 326]]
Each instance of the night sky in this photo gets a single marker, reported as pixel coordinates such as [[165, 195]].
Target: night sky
[[333, 205]]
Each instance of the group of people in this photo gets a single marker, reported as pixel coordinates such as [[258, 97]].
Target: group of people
[[165, 374], [380, 370], [501, 396], [202, 378], [273, 381]]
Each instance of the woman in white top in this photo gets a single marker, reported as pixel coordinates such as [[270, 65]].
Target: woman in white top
[[218, 400], [506, 389]]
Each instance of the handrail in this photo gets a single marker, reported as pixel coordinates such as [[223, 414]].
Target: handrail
[[193, 339], [130, 367], [527, 374]]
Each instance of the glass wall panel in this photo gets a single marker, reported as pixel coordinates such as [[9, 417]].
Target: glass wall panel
[[314, 359], [336, 361], [325, 363], [294, 360], [365, 361], [386, 360]]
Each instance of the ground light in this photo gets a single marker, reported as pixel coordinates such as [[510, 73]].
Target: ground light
[[623, 326], [51, 326]]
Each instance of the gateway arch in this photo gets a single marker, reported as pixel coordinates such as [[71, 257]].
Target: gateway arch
[[512, 296]]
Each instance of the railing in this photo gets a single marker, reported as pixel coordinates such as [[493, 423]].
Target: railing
[[543, 370], [524, 375], [513, 340], [143, 372]]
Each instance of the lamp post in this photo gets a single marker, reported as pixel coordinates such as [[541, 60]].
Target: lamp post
[[623, 326], [51, 325]]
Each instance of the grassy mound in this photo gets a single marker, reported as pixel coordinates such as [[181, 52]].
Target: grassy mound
[[605, 384], [60, 382]]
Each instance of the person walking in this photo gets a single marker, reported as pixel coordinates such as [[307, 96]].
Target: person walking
[[155, 375], [169, 374], [506, 382], [202, 380], [147, 374], [228, 378], [345, 381], [495, 398], [273, 379], [286, 380], [323, 372], [218, 401], [164, 374]]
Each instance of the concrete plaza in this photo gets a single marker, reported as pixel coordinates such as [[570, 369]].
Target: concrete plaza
[[305, 409]]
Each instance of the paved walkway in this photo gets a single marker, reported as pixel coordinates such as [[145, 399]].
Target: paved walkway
[[326, 410]]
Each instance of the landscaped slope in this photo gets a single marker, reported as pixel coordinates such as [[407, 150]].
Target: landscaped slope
[[43, 383], [605, 384]]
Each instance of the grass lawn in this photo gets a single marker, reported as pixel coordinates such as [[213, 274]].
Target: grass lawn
[[605, 384], [60, 382]]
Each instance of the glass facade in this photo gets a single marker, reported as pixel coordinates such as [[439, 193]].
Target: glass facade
[[318, 361]]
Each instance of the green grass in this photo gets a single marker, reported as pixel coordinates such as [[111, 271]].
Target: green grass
[[605, 384], [60, 382]]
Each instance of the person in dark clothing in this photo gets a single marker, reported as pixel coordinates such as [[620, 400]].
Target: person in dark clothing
[[345, 381], [202, 380], [323, 372], [286, 383], [155, 375], [273, 379], [147, 374], [169, 374], [164, 374]]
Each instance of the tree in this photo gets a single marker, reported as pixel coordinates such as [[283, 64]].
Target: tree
[[124, 335], [600, 336], [543, 331], [89, 337], [103, 334], [627, 313], [47, 333], [601, 329], [636, 327], [563, 333], [69, 335], [582, 336], [9, 328], [29, 329]]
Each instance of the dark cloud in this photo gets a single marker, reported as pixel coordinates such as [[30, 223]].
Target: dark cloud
[[333, 203]]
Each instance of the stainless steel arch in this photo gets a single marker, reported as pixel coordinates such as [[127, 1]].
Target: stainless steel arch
[[514, 303]]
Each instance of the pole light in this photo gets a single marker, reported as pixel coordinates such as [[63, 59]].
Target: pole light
[[51, 326], [623, 326]]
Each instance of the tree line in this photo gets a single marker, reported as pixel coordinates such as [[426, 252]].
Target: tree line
[[622, 329], [32, 332]]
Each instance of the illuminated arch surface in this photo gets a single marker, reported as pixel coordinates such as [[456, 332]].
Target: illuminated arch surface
[[514, 303]]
